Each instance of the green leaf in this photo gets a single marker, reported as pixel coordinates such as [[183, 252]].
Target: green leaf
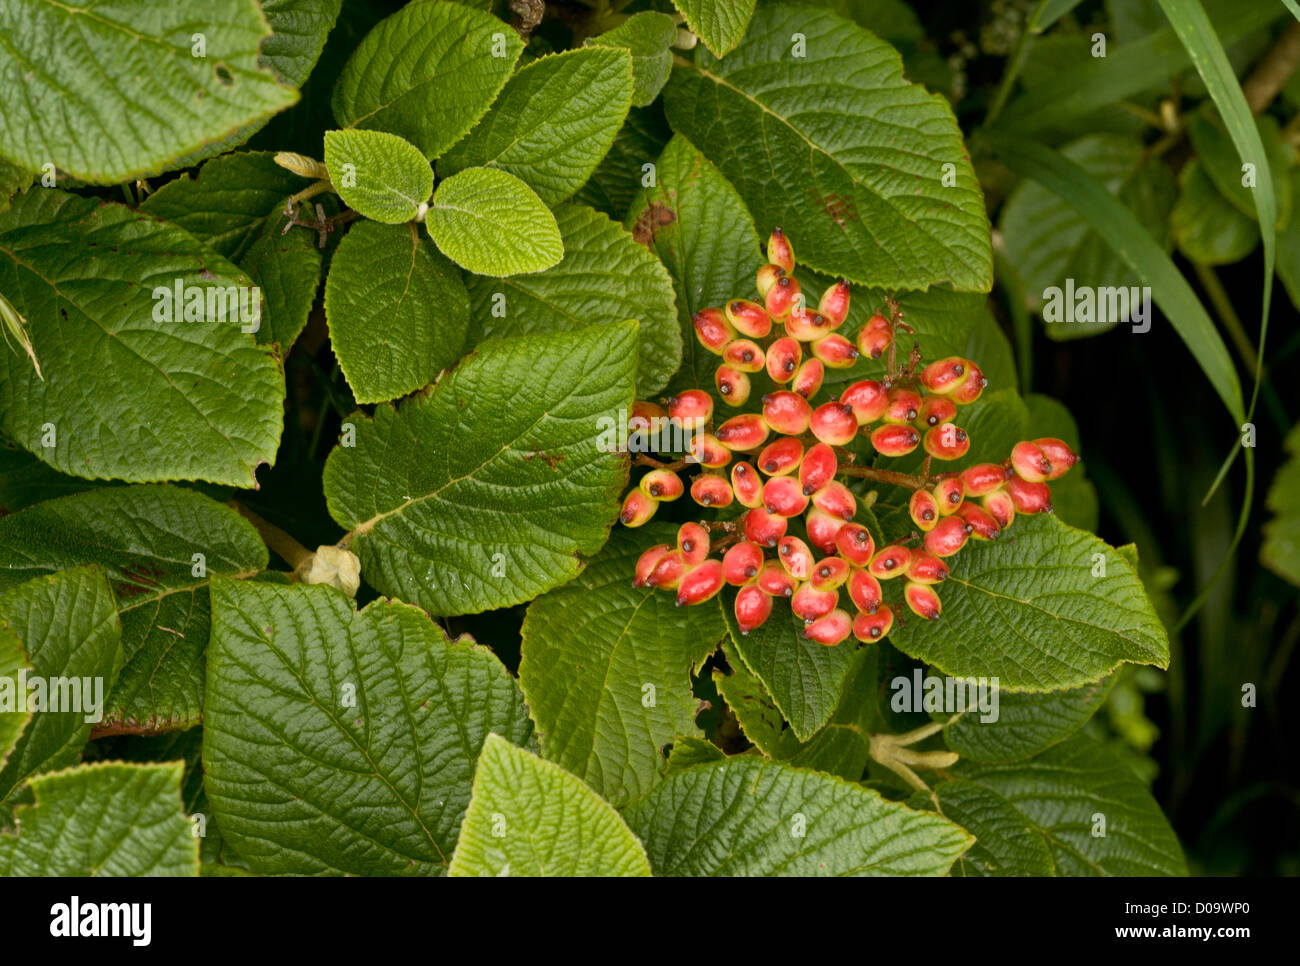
[[146, 539], [1006, 842], [25, 480], [107, 819], [1288, 248], [1115, 223], [342, 741], [13, 179], [617, 178], [1049, 241], [1063, 792], [299, 31], [129, 397], [111, 93], [1026, 724], [427, 73], [1281, 548], [857, 184], [397, 310], [491, 223], [235, 205], [719, 23], [648, 36], [1208, 228], [1220, 161], [12, 720], [1027, 609], [69, 628], [690, 751], [606, 668], [604, 277], [695, 222], [745, 816], [379, 175], [529, 817], [553, 122], [459, 521], [804, 678]]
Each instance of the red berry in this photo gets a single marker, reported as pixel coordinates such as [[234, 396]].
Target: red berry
[[638, 508], [1059, 454], [808, 603], [700, 584], [904, 406], [876, 337], [742, 563], [893, 440], [768, 276], [923, 510], [864, 590], [667, 572], [818, 468], [948, 536], [691, 409], [1001, 507], [747, 485], [983, 478], [713, 330], [763, 528], [836, 499], [692, 544], [1030, 462], [947, 442], [1029, 497], [783, 358], [829, 573], [779, 299], [644, 415], [744, 432], [834, 423], [854, 544], [835, 351], [773, 580], [753, 608], [781, 457], [970, 388], [783, 496], [744, 354], [795, 557], [807, 326], [935, 410], [948, 494], [943, 376], [983, 525], [925, 568], [923, 601], [890, 561], [732, 384], [831, 629], [712, 490], [786, 412], [707, 450], [662, 485], [868, 400], [779, 251], [871, 627], [822, 529], [835, 302], [808, 378], [749, 318], [646, 563]]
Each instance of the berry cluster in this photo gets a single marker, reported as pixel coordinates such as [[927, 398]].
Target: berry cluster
[[794, 477]]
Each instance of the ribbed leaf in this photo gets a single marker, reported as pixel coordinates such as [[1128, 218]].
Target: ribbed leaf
[[719, 23], [491, 223], [379, 175], [648, 37]]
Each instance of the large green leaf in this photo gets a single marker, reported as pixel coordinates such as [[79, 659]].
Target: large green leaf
[[299, 31], [529, 817], [128, 397], [606, 668], [25, 480], [605, 276], [397, 310], [836, 147], [695, 222], [490, 489], [619, 175], [1281, 548], [553, 122], [1006, 842], [427, 73], [1033, 610], [648, 37], [69, 628], [1221, 162], [1067, 792], [235, 205], [1208, 228], [719, 23], [343, 741], [12, 719], [491, 223], [745, 816], [379, 175], [146, 538], [108, 819], [113, 92]]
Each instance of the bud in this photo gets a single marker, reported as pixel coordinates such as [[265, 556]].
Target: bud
[[781, 457], [783, 358], [864, 590], [925, 568], [744, 432], [1001, 507], [923, 510], [894, 440], [829, 573], [638, 508], [779, 299], [711, 490], [1029, 497], [818, 468], [743, 354], [923, 601], [935, 410], [795, 557], [890, 562], [1030, 462], [904, 406], [708, 451], [983, 525], [947, 442], [742, 563], [808, 603], [822, 529], [768, 276], [835, 303], [773, 580], [835, 351], [691, 409], [783, 496], [700, 584], [747, 485], [868, 399], [779, 251], [871, 627], [854, 544], [786, 412], [876, 337], [948, 536], [647, 562], [763, 528], [808, 378], [713, 330], [692, 544], [1059, 454], [753, 608], [942, 377], [732, 384], [664, 485], [837, 500], [834, 423], [948, 494], [831, 629]]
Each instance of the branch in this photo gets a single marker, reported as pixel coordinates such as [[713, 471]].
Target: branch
[[1272, 72]]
